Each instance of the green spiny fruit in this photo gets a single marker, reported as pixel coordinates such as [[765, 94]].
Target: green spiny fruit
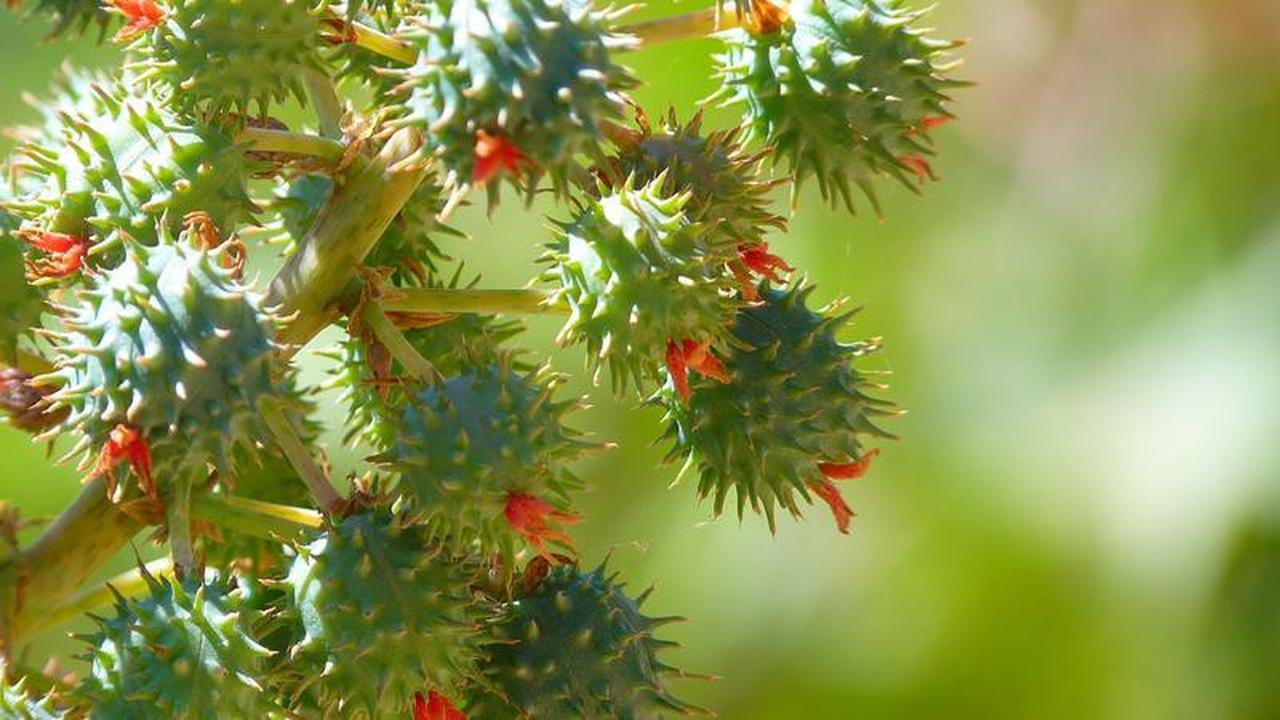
[[364, 369], [726, 193], [128, 166], [21, 305], [637, 275], [842, 90], [171, 344], [384, 613], [183, 651], [576, 647], [518, 85], [71, 15], [17, 704], [483, 456], [792, 417], [218, 55], [407, 247]]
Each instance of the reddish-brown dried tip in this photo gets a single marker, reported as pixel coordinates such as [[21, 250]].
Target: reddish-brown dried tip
[[826, 490], [140, 16], [22, 402], [537, 521], [64, 254], [125, 444], [689, 355], [755, 258], [435, 707], [495, 154], [766, 17], [850, 470], [918, 165]]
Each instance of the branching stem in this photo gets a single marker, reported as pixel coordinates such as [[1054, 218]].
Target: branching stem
[[324, 96], [383, 44], [698, 24], [256, 517], [179, 522], [291, 143], [418, 367], [325, 494], [435, 300], [130, 583]]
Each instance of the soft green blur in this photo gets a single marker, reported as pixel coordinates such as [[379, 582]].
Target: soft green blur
[[1082, 519]]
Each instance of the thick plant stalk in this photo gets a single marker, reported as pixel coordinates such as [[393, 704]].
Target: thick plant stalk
[[382, 44], [128, 583], [699, 24], [418, 367], [255, 517], [324, 96], [469, 300], [285, 141], [322, 490], [178, 520]]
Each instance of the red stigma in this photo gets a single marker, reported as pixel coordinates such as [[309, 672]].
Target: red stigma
[[756, 258], [495, 154], [65, 253], [918, 165], [697, 356], [535, 519], [828, 492], [125, 444], [435, 707], [142, 15], [850, 470], [930, 122]]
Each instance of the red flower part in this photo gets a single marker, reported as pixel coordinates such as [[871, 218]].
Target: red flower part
[[495, 154], [691, 355], [125, 444], [65, 253], [435, 707], [828, 492], [930, 122], [918, 165], [850, 470], [142, 15], [535, 518], [757, 258]]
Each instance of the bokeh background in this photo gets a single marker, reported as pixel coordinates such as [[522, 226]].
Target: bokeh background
[[1082, 519]]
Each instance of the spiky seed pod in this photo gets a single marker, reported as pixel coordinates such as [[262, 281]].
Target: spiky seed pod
[[842, 90], [127, 166], [576, 647], [218, 55], [407, 247], [17, 704], [468, 447], [727, 193], [183, 651], [21, 305], [171, 344], [795, 410], [637, 275], [364, 372], [384, 613], [534, 76]]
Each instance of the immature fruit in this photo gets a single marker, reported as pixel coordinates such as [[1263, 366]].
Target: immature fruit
[[17, 704], [516, 86], [576, 647], [637, 275], [21, 305], [384, 613], [842, 90], [220, 55], [483, 455], [183, 651], [721, 178], [173, 346], [793, 417], [115, 162]]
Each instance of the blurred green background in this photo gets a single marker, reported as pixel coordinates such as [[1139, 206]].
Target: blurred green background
[[1082, 519]]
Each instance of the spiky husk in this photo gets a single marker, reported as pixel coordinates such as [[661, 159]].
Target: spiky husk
[[727, 193], [18, 704], [636, 274], [219, 55], [383, 614], [173, 345], [842, 91], [465, 444], [456, 344], [407, 247], [21, 305], [795, 400], [115, 162], [538, 73], [183, 651], [576, 647]]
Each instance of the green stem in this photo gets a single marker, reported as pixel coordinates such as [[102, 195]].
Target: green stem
[[436, 300], [291, 143], [179, 522], [369, 195], [326, 495], [698, 24], [131, 583], [324, 96], [418, 367], [265, 520], [383, 44]]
